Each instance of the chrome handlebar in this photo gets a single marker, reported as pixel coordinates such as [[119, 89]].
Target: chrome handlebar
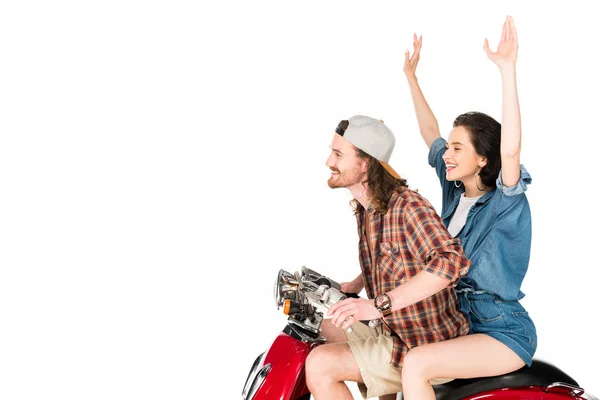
[[306, 297]]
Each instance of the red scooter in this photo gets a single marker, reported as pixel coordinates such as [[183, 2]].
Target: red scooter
[[278, 373]]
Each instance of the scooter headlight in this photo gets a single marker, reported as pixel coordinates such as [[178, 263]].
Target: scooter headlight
[[284, 288]]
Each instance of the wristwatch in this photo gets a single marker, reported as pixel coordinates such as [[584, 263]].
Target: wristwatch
[[383, 304]]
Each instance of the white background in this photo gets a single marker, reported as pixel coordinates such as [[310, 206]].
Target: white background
[[161, 161]]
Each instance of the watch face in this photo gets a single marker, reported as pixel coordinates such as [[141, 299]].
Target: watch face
[[383, 302]]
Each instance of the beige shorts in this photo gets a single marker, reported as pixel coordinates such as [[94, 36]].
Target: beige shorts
[[372, 350]]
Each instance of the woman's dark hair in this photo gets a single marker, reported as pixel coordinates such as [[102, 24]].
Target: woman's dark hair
[[484, 132], [381, 183]]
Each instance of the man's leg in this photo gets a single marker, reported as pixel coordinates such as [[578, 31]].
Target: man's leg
[[463, 357], [332, 333], [327, 367], [336, 335]]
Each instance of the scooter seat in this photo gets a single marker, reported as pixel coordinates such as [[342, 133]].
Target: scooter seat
[[539, 374]]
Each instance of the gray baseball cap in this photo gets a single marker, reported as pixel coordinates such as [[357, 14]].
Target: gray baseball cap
[[373, 137]]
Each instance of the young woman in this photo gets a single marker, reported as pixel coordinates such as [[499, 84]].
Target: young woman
[[484, 205]]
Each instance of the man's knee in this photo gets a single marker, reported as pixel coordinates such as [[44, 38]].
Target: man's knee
[[316, 367], [316, 364]]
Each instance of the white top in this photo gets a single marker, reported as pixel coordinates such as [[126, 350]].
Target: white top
[[460, 215]]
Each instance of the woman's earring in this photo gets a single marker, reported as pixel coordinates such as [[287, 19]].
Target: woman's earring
[[484, 185], [458, 184]]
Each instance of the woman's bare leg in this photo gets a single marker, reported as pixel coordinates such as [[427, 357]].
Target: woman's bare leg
[[470, 356]]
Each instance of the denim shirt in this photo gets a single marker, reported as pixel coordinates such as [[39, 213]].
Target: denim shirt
[[497, 234]]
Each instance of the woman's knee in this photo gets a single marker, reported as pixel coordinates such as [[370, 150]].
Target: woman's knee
[[416, 365]]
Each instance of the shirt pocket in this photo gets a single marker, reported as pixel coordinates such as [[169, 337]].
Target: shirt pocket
[[390, 265]]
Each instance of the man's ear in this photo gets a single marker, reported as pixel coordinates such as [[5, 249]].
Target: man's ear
[[365, 164]]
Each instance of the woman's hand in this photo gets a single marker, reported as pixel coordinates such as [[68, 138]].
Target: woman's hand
[[410, 62], [349, 311], [506, 54]]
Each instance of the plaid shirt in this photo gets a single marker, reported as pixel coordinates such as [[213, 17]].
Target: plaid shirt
[[408, 239]]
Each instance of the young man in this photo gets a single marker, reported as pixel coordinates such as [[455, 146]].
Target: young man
[[409, 266]]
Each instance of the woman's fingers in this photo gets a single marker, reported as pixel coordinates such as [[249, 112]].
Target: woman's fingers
[[513, 29], [486, 47], [505, 31]]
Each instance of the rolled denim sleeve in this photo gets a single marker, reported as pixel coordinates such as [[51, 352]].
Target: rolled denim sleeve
[[436, 152], [520, 187]]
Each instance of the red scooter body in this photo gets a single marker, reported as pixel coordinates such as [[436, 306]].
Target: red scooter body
[[525, 393], [285, 380], [278, 373]]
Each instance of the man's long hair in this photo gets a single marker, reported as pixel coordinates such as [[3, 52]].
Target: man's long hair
[[381, 185]]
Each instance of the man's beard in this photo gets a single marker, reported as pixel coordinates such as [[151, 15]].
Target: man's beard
[[343, 180]]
